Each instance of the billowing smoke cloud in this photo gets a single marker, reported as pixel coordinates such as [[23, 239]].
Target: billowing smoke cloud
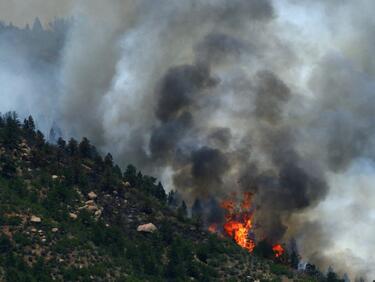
[[218, 96], [338, 132], [29, 67]]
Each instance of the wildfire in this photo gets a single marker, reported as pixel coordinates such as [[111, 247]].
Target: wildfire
[[240, 233], [239, 223], [278, 250], [212, 228]]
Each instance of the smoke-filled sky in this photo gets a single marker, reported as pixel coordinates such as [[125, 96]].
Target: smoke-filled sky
[[21, 12], [214, 96]]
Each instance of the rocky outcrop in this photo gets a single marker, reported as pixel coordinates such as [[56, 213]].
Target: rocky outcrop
[[92, 206], [148, 228], [73, 215], [92, 195], [35, 219]]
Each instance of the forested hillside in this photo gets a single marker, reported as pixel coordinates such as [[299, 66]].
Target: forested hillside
[[68, 214]]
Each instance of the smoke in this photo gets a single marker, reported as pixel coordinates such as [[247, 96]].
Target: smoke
[[21, 13], [218, 96], [29, 67], [343, 223]]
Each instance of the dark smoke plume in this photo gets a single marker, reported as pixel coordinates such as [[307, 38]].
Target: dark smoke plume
[[215, 97]]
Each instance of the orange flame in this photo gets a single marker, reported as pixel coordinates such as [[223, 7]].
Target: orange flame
[[278, 250], [239, 231], [212, 228], [246, 203], [228, 205], [239, 221]]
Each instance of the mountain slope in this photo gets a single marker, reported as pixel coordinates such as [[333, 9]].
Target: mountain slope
[[67, 214]]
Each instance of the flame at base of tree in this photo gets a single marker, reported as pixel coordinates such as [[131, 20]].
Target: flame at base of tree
[[239, 224], [278, 250]]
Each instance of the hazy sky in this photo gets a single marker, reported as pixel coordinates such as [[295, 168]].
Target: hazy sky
[[20, 12]]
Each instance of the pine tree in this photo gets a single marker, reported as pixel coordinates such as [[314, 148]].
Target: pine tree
[[29, 124], [117, 171], [8, 167], [39, 139], [139, 180], [160, 192], [61, 143], [172, 199], [196, 209], [11, 133], [52, 136], [294, 255], [182, 211], [108, 160], [130, 175], [72, 147], [37, 25], [84, 148]]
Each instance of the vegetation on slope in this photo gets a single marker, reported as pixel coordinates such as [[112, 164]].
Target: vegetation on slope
[[67, 214]]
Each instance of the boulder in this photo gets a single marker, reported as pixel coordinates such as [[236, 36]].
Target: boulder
[[90, 203], [92, 195], [73, 215], [148, 228], [55, 229], [35, 219], [54, 177], [91, 208]]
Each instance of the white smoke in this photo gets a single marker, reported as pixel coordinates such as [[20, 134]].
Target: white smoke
[[106, 86]]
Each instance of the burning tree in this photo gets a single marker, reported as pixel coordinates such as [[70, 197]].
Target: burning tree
[[239, 224], [239, 221]]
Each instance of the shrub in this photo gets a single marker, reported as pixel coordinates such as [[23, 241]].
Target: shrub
[[279, 269]]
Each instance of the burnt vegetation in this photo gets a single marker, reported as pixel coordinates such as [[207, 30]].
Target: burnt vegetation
[[68, 214]]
